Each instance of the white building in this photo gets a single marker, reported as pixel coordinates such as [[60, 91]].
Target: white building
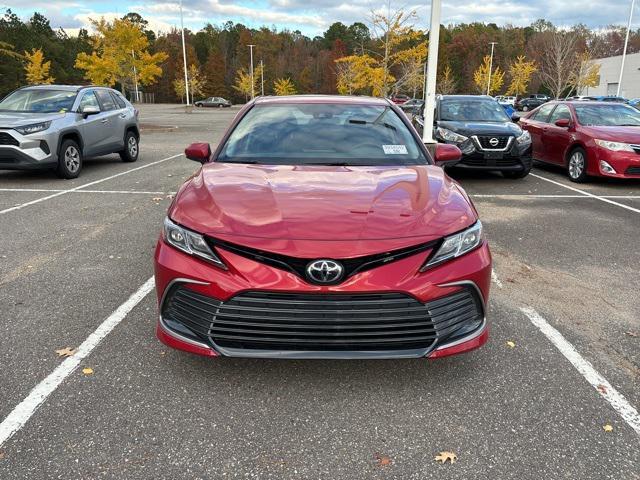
[[610, 74]]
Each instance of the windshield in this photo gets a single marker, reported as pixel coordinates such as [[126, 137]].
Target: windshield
[[39, 101], [607, 115], [322, 134], [466, 110]]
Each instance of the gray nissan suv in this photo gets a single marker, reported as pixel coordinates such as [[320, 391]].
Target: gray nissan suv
[[57, 126]]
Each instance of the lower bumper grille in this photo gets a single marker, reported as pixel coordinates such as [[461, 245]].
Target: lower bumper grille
[[6, 139], [322, 322], [633, 171]]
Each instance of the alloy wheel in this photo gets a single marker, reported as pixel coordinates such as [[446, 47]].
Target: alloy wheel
[[132, 145], [72, 159], [576, 165]]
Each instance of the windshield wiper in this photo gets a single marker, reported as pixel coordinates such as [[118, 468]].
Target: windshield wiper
[[364, 122], [629, 125], [331, 164], [250, 162]]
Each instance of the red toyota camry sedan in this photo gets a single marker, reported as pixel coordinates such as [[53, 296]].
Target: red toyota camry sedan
[[321, 227], [587, 138]]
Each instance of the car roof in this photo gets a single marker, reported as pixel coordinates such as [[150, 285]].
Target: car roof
[[69, 88], [336, 99], [466, 97]]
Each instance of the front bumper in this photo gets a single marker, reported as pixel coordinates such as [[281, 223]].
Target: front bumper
[[208, 297], [516, 158], [626, 164], [26, 152]]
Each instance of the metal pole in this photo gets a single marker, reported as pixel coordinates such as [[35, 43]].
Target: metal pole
[[626, 43], [493, 44], [424, 83], [253, 93], [432, 70], [135, 75], [184, 56], [262, 77]]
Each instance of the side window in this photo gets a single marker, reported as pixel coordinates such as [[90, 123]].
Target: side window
[[561, 112], [543, 114], [118, 100], [89, 100], [106, 100]]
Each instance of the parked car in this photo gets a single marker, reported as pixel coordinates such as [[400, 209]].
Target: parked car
[[218, 102], [531, 102], [607, 98], [587, 138], [412, 106], [506, 100], [58, 126], [400, 99], [488, 138], [263, 251]]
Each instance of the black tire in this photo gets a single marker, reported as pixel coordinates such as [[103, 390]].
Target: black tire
[[577, 165], [131, 147], [525, 108], [69, 160], [518, 174], [198, 105]]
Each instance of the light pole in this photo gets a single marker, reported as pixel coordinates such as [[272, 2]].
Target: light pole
[[432, 71], [253, 93], [135, 75], [184, 56], [626, 43], [493, 44], [262, 77]]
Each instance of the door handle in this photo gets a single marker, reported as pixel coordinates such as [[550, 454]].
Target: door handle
[[106, 120], [123, 115]]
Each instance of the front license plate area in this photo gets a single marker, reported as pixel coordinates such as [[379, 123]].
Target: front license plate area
[[493, 155]]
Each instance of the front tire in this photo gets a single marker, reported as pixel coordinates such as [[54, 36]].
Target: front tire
[[525, 109], [131, 147], [577, 165], [69, 160]]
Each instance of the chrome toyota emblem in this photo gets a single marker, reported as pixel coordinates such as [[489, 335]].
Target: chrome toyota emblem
[[494, 142], [324, 271]]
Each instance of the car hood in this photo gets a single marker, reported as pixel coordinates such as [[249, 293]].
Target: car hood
[[18, 119], [615, 134], [323, 203], [482, 128]]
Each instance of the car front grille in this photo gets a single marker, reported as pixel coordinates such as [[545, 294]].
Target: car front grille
[[633, 171], [322, 322], [485, 142], [6, 139], [480, 161]]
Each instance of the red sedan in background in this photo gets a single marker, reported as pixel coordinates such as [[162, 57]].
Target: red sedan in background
[[587, 138]]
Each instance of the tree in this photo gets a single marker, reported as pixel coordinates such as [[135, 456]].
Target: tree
[[7, 50], [243, 83], [446, 84], [36, 69], [558, 60], [215, 70], [588, 74], [354, 73], [119, 47], [520, 72], [481, 77], [197, 83], [284, 86]]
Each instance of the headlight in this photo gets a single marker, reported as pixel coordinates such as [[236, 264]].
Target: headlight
[[524, 139], [456, 245], [34, 128], [614, 146], [449, 136], [189, 242]]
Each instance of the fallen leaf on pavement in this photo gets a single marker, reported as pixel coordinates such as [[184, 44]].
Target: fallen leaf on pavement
[[66, 352], [157, 199], [444, 456], [631, 334], [87, 371], [607, 428], [1, 455], [383, 460], [511, 344], [602, 389]]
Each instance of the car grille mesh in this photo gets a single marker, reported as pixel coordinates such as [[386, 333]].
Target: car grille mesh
[[633, 171], [485, 142], [6, 139], [321, 322]]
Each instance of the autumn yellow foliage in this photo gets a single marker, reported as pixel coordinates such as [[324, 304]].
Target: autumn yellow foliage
[[36, 69]]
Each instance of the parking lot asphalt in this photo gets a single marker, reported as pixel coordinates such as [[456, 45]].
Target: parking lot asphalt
[[72, 252]]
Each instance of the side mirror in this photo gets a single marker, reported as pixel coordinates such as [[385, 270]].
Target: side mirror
[[515, 118], [90, 110], [199, 152], [563, 123], [447, 154]]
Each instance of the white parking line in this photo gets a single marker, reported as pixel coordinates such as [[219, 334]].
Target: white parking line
[[495, 279], [63, 192], [532, 195], [25, 409], [602, 386], [602, 199], [27, 190]]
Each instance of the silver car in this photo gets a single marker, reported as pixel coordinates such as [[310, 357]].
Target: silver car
[[57, 126]]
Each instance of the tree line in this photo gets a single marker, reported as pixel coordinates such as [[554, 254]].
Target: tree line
[[383, 55]]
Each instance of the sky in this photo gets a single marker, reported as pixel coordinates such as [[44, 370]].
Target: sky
[[312, 17]]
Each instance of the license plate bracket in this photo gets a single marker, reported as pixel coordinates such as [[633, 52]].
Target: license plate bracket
[[493, 155]]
